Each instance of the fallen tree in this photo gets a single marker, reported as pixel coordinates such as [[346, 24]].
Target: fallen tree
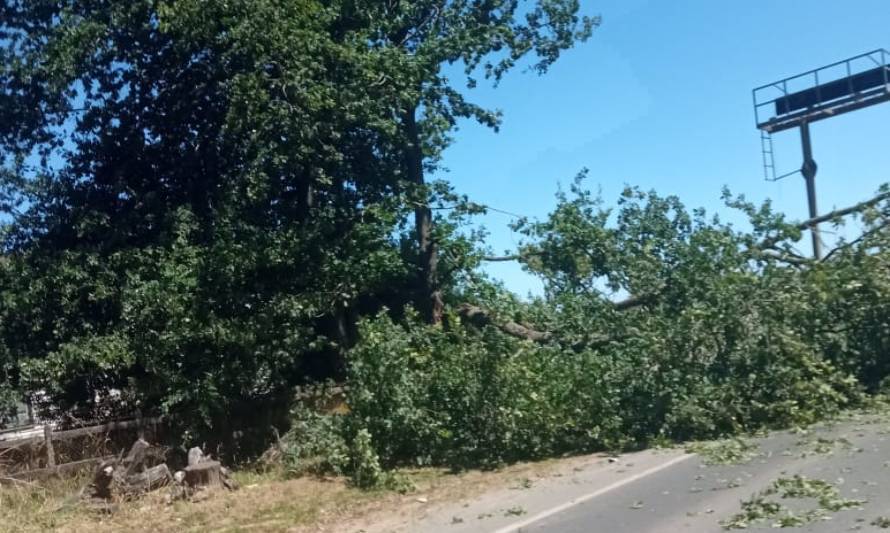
[[766, 248], [481, 317]]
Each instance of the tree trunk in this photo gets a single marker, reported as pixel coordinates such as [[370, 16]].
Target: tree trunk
[[429, 297], [305, 196]]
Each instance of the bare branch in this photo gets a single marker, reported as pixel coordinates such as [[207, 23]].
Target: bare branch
[[867, 234], [635, 301], [806, 224], [482, 317], [502, 259], [785, 257], [838, 213]]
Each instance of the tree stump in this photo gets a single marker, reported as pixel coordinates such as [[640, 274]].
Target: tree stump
[[204, 474]]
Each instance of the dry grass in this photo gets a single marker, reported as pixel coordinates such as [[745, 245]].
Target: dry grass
[[265, 503], [27, 506]]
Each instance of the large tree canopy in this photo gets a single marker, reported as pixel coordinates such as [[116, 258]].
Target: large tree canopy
[[203, 196]]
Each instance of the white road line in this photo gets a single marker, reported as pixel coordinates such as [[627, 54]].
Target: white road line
[[513, 528]]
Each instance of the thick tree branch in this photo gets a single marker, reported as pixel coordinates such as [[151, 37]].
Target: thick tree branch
[[482, 317], [501, 258], [521, 256], [844, 212], [771, 242], [785, 257], [429, 291], [635, 301]]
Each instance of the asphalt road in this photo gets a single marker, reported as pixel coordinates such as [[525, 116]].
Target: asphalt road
[[831, 478], [695, 497]]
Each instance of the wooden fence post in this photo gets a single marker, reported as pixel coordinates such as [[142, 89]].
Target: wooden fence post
[[48, 441]]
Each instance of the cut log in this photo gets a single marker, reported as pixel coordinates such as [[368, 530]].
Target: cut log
[[128, 477], [204, 474], [147, 481], [227, 480], [131, 477], [134, 462]]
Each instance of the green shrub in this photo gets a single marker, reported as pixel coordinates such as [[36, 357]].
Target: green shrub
[[366, 471], [315, 444], [462, 397]]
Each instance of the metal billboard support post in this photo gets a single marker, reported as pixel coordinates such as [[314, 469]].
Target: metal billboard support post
[[866, 83], [808, 170]]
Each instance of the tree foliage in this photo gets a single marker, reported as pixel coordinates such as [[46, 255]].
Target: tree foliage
[[201, 198], [208, 203], [662, 324]]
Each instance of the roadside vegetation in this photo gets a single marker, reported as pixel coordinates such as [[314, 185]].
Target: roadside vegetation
[[208, 205], [268, 500]]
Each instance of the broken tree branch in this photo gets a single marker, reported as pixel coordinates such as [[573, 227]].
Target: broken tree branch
[[635, 301], [482, 317], [837, 213], [785, 257], [502, 258], [867, 234]]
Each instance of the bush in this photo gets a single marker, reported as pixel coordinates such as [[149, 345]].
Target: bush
[[463, 397], [315, 444], [366, 471]]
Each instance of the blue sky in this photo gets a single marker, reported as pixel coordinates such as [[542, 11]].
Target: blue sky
[[660, 97]]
